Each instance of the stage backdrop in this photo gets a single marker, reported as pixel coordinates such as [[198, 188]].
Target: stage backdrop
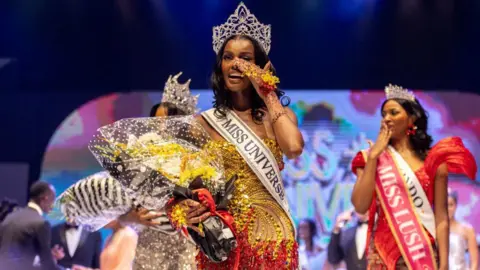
[[335, 125]]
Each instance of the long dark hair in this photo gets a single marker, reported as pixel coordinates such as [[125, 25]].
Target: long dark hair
[[222, 96], [311, 225], [172, 110], [421, 141]]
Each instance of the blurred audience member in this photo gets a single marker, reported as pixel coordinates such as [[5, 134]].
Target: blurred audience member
[[82, 248], [462, 239], [349, 245], [7, 206], [25, 234], [311, 256]]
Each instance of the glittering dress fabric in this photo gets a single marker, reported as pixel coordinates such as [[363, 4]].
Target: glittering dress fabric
[[265, 234], [158, 250], [382, 252], [456, 252]]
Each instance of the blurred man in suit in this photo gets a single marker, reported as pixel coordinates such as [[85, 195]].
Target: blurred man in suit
[[82, 248], [25, 234], [7, 206], [349, 245]]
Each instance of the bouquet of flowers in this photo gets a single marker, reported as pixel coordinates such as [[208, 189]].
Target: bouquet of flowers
[[160, 160], [151, 156]]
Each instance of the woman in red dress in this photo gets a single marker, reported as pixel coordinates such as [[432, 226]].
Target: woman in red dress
[[402, 180]]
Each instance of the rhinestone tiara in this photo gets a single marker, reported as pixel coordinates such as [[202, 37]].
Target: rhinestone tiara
[[179, 95], [395, 91], [242, 22]]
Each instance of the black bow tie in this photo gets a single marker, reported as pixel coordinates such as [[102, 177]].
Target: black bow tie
[[360, 223], [70, 226]]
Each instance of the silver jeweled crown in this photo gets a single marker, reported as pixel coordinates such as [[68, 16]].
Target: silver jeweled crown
[[395, 91], [242, 22], [179, 95]]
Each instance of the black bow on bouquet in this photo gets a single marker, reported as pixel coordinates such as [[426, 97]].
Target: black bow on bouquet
[[219, 237]]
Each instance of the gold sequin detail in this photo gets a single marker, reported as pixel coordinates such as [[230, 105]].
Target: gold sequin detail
[[252, 205]]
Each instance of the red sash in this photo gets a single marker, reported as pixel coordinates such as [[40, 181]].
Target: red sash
[[403, 221]]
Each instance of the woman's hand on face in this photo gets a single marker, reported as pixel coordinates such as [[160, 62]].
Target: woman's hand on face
[[256, 72], [377, 148]]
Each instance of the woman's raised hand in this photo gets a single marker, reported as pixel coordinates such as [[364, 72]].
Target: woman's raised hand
[[377, 148]]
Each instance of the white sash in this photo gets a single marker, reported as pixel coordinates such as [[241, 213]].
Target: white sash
[[419, 199], [257, 155]]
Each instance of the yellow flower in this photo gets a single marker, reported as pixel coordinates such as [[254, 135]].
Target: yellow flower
[[205, 172], [270, 79], [192, 164], [179, 217], [267, 76], [151, 149]]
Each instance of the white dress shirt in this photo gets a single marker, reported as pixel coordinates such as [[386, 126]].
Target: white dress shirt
[[36, 207], [361, 239], [73, 238], [36, 260]]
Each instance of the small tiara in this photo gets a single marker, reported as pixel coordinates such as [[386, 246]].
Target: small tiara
[[179, 95], [395, 91], [242, 22]]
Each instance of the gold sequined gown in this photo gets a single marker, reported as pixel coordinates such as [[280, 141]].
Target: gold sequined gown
[[265, 234], [160, 251]]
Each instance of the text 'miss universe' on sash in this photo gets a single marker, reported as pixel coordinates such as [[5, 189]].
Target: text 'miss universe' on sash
[[257, 155]]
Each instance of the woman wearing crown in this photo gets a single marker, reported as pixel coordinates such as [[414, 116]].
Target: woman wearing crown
[[253, 130], [402, 180], [102, 199], [159, 245]]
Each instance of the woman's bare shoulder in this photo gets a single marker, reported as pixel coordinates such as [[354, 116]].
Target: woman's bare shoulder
[[200, 119], [208, 128], [467, 226]]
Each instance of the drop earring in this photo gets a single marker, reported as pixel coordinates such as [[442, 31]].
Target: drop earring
[[412, 130]]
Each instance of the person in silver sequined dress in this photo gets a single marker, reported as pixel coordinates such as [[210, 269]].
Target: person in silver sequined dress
[[462, 239], [159, 245]]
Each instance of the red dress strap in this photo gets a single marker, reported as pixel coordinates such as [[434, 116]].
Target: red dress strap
[[358, 161], [451, 151]]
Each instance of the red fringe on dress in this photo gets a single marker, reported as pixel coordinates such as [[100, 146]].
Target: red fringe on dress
[[267, 254]]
